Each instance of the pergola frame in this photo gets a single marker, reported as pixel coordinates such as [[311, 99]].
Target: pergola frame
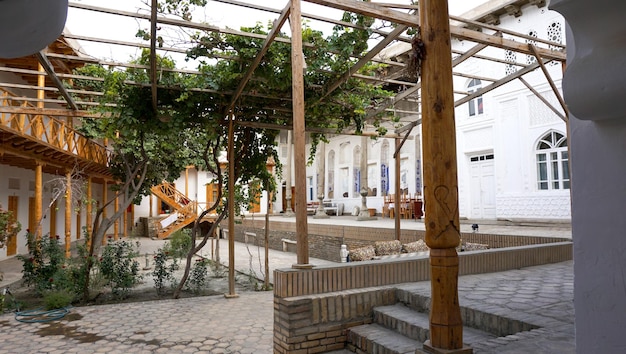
[[462, 29], [444, 263]]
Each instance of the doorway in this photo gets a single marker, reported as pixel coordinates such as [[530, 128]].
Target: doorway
[[482, 187], [12, 239]]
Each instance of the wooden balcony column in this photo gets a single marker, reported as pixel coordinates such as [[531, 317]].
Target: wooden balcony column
[[38, 199], [88, 220], [68, 213], [440, 180], [116, 208], [125, 220], [41, 95], [104, 211]]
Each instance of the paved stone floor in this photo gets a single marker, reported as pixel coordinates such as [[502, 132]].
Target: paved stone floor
[[539, 295]]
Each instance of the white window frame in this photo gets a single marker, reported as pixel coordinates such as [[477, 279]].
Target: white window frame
[[475, 105], [552, 161]]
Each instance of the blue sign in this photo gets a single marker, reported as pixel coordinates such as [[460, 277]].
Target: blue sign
[[384, 179], [418, 176]]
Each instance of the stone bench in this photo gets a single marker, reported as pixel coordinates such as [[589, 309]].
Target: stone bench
[[286, 242]]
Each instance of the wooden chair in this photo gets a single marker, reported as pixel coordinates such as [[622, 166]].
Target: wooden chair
[[386, 212]]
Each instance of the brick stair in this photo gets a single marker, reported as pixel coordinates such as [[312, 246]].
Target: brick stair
[[398, 329]]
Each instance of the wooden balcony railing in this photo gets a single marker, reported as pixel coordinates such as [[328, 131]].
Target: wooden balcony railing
[[49, 131]]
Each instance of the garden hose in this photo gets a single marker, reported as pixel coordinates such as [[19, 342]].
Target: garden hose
[[39, 315]]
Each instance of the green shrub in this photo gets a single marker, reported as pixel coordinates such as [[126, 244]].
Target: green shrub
[[57, 299], [199, 275], [179, 244], [164, 270], [45, 260], [46, 269], [119, 267]]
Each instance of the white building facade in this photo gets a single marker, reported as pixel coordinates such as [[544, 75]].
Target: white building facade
[[512, 154]]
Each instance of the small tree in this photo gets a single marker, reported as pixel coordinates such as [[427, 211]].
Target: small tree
[[9, 227]]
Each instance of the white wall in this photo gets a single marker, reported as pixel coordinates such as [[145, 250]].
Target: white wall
[[594, 88]]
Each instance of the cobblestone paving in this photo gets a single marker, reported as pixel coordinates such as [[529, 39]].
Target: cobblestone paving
[[195, 325], [542, 296]]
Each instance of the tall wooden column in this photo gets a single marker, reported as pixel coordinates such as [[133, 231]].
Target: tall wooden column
[[125, 220], [440, 180], [396, 182], [88, 211], [116, 208], [231, 207], [299, 137], [288, 167], [38, 199], [68, 213], [104, 211]]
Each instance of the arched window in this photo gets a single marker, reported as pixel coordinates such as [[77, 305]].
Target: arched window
[[476, 104], [552, 162]]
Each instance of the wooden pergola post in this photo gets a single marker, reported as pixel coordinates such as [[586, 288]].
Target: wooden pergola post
[[299, 137], [440, 180], [231, 207]]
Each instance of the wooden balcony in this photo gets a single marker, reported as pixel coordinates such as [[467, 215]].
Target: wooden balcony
[[31, 136]]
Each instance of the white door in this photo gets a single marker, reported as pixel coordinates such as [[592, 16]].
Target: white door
[[482, 188]]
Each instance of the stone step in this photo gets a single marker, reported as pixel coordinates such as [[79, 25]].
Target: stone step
[[403, 320], [398, 329], [498, 323], [416, 325], [374, 338]]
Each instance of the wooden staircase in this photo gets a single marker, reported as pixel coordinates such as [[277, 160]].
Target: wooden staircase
[[185, 210]]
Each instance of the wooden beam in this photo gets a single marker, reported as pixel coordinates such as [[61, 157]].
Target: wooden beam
[[549, 78], [468, 54], [370, 9], [390, 101], [49, 112], [278, 24], [504, 30], [499, 42], [497, 84], [463, 57], [543, 99], [47, 66], [315, 130], [365, 59]]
